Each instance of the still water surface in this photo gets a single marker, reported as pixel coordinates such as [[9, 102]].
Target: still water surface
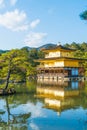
[[45, 105]]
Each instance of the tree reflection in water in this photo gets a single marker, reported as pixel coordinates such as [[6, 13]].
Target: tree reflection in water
[[11, 116], [13, 121], [54, 106]]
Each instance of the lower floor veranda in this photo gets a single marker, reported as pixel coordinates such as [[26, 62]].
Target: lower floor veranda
[[60, 72]]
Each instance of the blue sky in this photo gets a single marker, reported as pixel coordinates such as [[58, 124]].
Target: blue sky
[[37, 22]]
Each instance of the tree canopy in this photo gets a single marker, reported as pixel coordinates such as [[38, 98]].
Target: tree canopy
[[18, 64], [83, 15]]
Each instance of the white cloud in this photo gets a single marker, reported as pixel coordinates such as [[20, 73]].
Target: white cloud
[[15, 20], [2, 3], [13, 2], [34, 23], [34, 38]]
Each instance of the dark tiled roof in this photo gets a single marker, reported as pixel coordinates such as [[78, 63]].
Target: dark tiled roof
[[60, 47]]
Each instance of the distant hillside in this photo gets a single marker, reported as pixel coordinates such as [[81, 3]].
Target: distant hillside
[[46, 46], [3, 51], [73, 45]]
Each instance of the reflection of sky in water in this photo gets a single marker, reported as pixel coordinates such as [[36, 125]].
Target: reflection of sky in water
[[35, 109], [3, 109], [33, 126], [2, 104], [44, 119], [69, 118]]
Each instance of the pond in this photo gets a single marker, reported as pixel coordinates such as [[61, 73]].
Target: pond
[[45, 105]]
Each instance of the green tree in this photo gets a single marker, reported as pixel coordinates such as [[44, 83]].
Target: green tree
[[83, 46], [75, 45], [78, 54], [83, 15], [11, 63], [35, 54]]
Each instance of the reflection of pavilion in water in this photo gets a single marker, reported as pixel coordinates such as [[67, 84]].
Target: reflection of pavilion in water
[[59, 95]]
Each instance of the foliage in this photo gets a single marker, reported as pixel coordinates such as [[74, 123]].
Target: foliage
[[81, 52], [83, 15], [33, 55], [16, 65]]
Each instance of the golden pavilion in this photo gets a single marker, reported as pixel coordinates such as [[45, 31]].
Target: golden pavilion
[[59, 63]]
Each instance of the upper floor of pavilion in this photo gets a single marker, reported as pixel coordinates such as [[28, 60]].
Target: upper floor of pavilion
[[58, 51]]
